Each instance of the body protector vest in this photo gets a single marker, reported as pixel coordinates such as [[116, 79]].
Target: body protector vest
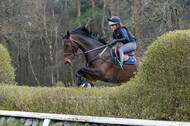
[[117, 35]]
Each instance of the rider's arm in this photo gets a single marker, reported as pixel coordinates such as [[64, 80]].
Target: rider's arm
[[113, 36], [114, 42], [125, 37]]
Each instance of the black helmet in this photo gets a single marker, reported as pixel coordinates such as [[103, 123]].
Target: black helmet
[[114, 20]]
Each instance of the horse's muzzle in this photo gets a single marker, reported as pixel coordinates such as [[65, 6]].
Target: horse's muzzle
[[68, 62]]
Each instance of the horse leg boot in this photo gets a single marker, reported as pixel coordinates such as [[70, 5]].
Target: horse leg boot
[[80, 80]]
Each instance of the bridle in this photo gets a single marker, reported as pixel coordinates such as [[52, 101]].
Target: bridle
[[74, 50]]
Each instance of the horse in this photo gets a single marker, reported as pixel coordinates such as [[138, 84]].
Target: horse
[[100, 65]]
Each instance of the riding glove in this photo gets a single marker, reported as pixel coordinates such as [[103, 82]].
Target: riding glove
[[114, 41]]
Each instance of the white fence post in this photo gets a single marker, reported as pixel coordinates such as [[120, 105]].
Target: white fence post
[[46, 122]]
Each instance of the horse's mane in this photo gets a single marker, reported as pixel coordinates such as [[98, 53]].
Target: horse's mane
[[83, 30]]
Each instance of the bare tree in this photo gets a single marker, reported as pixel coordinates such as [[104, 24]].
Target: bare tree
[[104, 11], [29, 58], [111, 7], [79, 12], [138, 14]]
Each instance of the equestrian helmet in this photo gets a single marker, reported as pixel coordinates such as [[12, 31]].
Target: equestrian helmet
[[114, 20]]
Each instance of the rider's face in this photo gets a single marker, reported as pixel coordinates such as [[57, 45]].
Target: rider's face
[[113, 27]]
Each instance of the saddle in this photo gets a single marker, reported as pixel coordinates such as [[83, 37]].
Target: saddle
[[129, 57]]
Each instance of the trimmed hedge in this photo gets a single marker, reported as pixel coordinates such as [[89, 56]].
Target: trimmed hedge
[[161, 89], [77, 101], [7, 72]]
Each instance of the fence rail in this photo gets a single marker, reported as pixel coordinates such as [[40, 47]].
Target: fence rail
[[90, 119]]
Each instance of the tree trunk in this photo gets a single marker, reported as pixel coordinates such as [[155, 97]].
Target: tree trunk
[[183, 10], [111, 8], [72, 76], [79, 12], [49, 43], [102, 25], [138, 7], [174, 18], [29, 60], [94, 16]]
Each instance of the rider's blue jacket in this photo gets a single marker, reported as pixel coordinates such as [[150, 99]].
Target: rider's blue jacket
[[121, 34]]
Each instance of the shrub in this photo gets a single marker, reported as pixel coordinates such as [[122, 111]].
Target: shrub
[[7, 72], [161, 89], [167, 60], [60, 84]]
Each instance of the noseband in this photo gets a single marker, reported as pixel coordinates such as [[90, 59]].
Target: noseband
[[74, 50]]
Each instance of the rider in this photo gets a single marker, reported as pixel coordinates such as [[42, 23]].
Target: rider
[[123, 35]]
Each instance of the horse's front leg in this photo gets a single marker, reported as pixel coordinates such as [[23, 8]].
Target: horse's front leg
[[80, 80], [92, 74]]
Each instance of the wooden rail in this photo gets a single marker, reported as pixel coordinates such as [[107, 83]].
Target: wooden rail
[[90, 119]]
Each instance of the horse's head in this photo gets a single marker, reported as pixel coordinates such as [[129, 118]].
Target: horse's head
[[70, 48]]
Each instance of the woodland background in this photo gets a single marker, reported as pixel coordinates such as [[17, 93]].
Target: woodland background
[[30, 30]]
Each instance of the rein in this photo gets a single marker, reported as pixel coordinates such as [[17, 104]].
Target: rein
[[76, 54], [80, 53], [95, 49]]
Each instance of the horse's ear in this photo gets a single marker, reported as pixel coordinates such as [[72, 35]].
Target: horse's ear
[[68, 34], [62, 35]]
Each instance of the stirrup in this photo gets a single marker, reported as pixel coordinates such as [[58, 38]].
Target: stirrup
[[120, 64]]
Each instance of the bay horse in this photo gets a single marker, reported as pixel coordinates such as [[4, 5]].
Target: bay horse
[[100, 64]]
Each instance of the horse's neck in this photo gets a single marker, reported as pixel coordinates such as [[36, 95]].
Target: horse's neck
[[86, 44]]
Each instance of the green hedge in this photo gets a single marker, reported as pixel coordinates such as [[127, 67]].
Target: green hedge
[[7, 72], [160, 90], [78, 101]]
